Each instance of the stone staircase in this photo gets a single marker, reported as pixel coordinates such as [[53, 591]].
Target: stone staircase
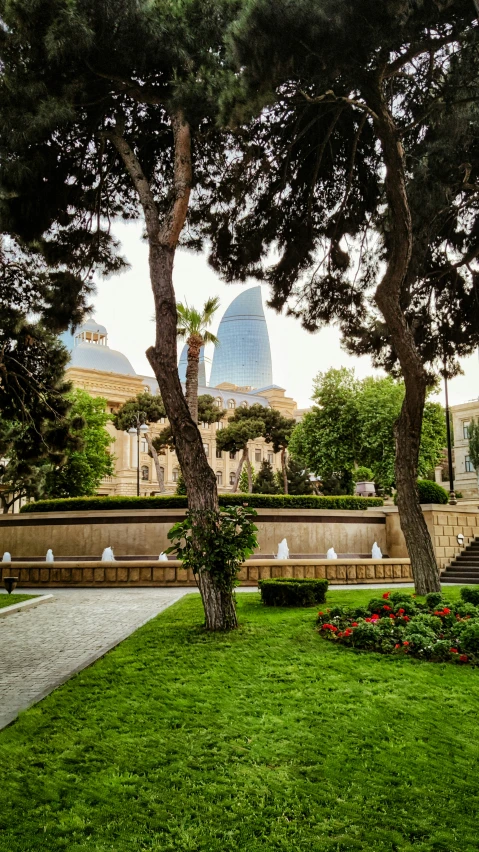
[[464, 568]]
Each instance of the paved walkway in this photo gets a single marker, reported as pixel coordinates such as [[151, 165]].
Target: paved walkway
[[43, 647]]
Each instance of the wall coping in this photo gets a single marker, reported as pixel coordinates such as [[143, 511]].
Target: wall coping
[[436, 507], [88, 514], [176, 563]]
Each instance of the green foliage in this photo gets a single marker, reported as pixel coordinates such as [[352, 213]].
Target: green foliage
[[353, 421], [216, 542], [243, 480], [430, 492], [192, 322], [470, 595], [473, 430], [298, 478], [265, 482], [235, 436], [151, 409], [84, 469], [180, 489], [285, 591], [363, 474], [258, 501]]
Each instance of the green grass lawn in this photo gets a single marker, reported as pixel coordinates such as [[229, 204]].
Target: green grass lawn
[[269, 739], [9, 600]]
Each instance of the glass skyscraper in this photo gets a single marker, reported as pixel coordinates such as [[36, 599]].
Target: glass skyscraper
[[243, 354]]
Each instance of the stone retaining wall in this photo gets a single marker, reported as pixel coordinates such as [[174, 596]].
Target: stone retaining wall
[[148, 573], [444, 524]]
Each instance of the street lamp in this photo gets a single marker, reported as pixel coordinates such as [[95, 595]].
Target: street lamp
[[138, 428], [452, 495]]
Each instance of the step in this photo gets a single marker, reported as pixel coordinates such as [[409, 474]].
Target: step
[[460, 569]]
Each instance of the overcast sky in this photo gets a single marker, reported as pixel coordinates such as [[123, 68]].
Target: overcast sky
[[124, 304]]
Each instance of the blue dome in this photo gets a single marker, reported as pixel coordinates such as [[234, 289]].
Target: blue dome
[[243, 354], [92, 356]]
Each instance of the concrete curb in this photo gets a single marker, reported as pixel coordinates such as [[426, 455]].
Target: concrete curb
[[10, 610], [7, 719]]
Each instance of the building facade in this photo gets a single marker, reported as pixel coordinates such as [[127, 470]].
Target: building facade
[[465, 476], [104, 372]]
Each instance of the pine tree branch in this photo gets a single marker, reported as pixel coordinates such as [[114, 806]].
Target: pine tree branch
[[428, 46], [140, 182], [330, 97]]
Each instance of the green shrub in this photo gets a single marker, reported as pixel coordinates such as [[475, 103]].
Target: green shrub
[[284, 591], [470, 638], [470, 596], [433, 599], [363, 474], [430, 492], [173, 501]]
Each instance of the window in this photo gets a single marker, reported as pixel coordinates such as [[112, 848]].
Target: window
[[176, 473], [232, 478], [271, 458], [257, 455], [219, 477], [205, 425], [145, 473], [162, 420], [144, 445], [231, 403], [469, 465], [147, 389], [244, 404], [219, 402], [220, 424], [465, 428], [206, 448], [219, 454], [232, 454]]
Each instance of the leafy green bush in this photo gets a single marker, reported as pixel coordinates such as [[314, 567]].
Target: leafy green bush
[[173, 501], [430, 492], [433, 599], [363, 474], [470, 596], [435, 631], [284, 591]]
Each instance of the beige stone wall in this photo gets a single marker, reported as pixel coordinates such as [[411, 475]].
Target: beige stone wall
[[444, 524], [465, 479], [144, 532], [342, 572]]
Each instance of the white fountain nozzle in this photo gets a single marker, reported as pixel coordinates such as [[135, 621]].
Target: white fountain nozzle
[[7, 557]]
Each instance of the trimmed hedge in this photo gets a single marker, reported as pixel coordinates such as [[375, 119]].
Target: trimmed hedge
[[174, 501], [430, 492], [287, 591]]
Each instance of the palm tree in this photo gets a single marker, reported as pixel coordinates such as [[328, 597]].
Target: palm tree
[[193, 327]]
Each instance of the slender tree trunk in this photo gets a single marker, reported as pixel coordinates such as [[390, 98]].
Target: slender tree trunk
[[195, 343], [250, 475], [163, 238], [156, 462], [389, 296], [283, 468], [243, 458]]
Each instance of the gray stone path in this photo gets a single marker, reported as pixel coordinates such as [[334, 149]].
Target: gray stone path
[[41, 648]]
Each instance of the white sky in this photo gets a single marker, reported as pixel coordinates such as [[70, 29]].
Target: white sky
[[124, 304]]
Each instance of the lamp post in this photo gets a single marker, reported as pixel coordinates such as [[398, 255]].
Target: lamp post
[[452, 496], [138, 428]]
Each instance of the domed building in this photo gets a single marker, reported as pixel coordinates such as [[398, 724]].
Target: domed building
[[108, 373]]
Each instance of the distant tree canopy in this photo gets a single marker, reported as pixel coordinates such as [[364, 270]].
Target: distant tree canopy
[[352, 423]]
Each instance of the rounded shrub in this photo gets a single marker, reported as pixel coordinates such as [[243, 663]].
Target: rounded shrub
[[470, 596], [430, 492], [285, 591]]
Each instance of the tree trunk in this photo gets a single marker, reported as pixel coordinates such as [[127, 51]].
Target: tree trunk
[[243, 458], [389, 295], [163, 238], [283, 468], [250, 475], [195, 343], [156, 461]]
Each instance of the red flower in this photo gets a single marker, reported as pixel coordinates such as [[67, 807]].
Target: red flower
[[446, 611], [320, 613], [375, 617], [453, 650], [368, 620], [386, 607], [400, 611], [392, 615], [406, 618], [386, 595], [397, 646], [463, 658], [354, 624], [406, 643]]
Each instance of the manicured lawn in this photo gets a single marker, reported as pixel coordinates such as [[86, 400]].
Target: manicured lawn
[[263, 740], [9, 600]]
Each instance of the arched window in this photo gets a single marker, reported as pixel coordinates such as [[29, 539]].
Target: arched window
[[145, 473], [219, 477], [244, 404], [231, 403], [163, 472], [206, 448], [176, 474], [232, 477], [219, 402]]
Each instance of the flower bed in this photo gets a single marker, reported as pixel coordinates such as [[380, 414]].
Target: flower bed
[[397, 623]]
